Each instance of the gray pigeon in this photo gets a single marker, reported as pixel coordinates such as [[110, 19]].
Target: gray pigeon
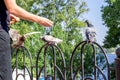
[[51, 39], [90, 32]]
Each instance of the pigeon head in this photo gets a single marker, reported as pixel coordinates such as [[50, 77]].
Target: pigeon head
[[89, 24]]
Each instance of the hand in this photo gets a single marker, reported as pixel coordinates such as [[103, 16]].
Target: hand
[[45, 22], [14, 19]]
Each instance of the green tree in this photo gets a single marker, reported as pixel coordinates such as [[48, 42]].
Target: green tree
[[66, 15], [111, 18]]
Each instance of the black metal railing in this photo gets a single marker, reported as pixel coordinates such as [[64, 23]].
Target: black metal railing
[[55, 67], [52, 49], [22, 53], [96, 67]]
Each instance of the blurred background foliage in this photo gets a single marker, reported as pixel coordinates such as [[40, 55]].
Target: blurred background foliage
[[68, 23]]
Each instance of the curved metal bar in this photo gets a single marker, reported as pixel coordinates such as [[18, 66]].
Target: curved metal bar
[[54, 61], [63, 78], [53, 46], [82, 61], [23, 74], [101, 73], [19, 75], [31, 75], [55, 66], [108, 66], [45, 71], [37, 59], [71, 59], [29, 55], [95, 65], [24, 60], [40, 71], [76, 72], [63, 59], [94, 53]]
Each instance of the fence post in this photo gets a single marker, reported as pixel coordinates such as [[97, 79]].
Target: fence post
[[117, 64]]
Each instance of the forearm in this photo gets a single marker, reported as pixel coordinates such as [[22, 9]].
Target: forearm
[[20, 12], [23, 14]]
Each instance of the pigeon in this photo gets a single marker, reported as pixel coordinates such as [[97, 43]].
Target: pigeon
[[18, 39], [51, 39], [90, 32]]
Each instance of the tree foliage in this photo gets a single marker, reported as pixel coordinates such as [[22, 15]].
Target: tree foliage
[[64, 14], [67, 24], [111, 18]]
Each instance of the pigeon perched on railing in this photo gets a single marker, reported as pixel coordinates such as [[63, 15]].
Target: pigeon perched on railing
[[18, 39], [51, 39], [90, 32]]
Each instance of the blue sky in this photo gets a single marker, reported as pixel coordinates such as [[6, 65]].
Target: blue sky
[[95, 17]]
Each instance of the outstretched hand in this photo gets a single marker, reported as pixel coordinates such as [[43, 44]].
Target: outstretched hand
[[40, 20], [45, 22]]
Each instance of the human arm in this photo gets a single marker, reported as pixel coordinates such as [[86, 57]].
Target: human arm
[[23, 14]]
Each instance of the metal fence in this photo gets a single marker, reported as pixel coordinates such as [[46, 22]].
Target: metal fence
[[32, 71]]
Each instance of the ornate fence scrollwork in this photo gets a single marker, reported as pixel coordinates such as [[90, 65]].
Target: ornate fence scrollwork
[[81, 68], [55, 67], [50, 51], [22, 53]]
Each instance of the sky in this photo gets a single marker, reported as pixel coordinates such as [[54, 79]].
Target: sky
[[94, 15]]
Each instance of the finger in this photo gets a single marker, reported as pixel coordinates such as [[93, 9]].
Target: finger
[[14, 17], [49, 23], [17, 19], [12, 22]]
